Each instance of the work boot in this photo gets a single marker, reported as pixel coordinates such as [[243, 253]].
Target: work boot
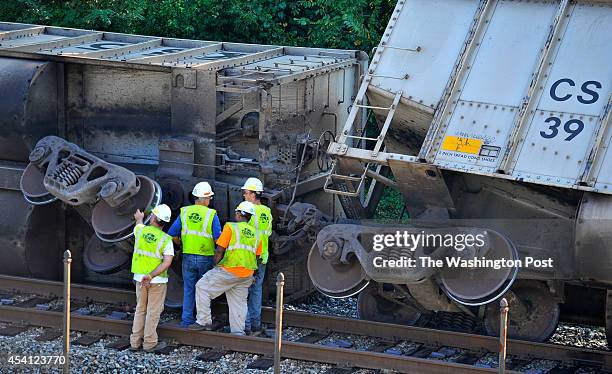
[[159, 346], [257, 331], [197, 327]]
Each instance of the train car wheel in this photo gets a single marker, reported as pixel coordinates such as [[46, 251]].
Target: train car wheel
[[533, 313], [372, 306], [333, 278]]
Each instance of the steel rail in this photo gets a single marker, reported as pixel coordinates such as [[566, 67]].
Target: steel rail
[[430, 337], [248, 344]]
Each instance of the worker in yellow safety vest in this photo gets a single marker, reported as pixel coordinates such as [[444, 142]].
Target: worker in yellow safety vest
[[262, 222], [199, 227], [153, 252], [236, 257]]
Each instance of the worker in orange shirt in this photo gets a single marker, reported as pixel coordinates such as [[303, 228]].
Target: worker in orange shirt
[[237, 257]]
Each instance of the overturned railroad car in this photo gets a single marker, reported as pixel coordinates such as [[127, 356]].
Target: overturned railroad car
[[97, 124], [494, 119]]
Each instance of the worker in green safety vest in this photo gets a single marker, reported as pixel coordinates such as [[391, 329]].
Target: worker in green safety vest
[[236, 257], [262, 222], [153, 253], [198, 227]]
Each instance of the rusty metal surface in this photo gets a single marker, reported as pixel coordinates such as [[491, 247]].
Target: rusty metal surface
[[77, 291], [254, 345]]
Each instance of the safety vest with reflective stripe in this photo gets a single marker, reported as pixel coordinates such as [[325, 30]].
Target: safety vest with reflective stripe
[[242, 248], [262, 222], [148, 250], [196, 230]]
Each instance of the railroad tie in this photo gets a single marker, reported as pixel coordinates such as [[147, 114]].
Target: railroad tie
[[87, 339], [48, 335], [13, 330], [261, 363], [211, 356], [120, 344]]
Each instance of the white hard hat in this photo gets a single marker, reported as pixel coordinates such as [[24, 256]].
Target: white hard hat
[[246, 207], [253, 184], [162, 212], [202, 189]]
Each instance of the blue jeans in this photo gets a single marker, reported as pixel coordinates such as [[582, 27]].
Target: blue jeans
[[194, 267], [253, 318]]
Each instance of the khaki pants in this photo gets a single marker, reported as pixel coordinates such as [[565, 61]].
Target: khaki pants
[[149, 305], [236, 289]]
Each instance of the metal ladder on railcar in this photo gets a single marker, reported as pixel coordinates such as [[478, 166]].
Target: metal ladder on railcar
[[355, 172]]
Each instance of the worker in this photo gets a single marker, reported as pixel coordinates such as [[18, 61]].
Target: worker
[[236, 257], [153, 253], [262, 222], [199, 227]]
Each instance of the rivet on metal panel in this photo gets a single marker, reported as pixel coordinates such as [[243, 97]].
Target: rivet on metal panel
[[485, 126], [478, 106], [461, 117], [541, 113], [495, 107], [471, 104], [533, 144], [556, 153], [473, 122], [487, 107], [462, 103], [543, 148], [567, 157], [497, 131], [561, 115]]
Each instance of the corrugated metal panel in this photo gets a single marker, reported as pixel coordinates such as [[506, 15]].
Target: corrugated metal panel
[[83, 46], [520, 89]]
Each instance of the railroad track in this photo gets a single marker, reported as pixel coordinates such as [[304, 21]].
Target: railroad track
[[434, 351]]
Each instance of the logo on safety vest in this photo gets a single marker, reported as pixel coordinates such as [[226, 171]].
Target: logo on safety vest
[[264, 218], [247, 233], [194, 217], [149, 238]]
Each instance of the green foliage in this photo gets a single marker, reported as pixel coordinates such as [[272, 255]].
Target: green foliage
[[354, 24], [391, 206]]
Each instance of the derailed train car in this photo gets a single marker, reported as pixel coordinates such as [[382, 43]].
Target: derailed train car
[[97, 124], [494, 119]]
